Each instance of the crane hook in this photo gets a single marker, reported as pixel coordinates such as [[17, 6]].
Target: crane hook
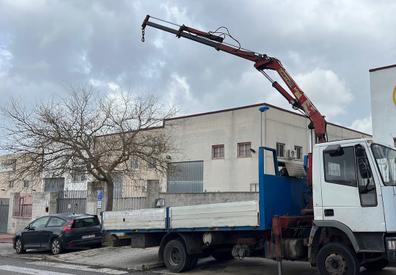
[[143, 35]]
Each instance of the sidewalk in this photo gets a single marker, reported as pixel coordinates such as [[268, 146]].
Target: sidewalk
[[6, 238], [115, 257]]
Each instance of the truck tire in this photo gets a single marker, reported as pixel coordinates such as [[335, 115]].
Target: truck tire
[[175, 256], [336, 258], [193, 263], [222, 255], [377, 265]]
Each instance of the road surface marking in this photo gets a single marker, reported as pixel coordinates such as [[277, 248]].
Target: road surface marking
[[102, 270], [30, 271]]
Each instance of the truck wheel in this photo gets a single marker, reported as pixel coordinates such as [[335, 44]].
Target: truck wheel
[[222, 255], [377, 265], [337, 259], [175, 256], [193, 262]]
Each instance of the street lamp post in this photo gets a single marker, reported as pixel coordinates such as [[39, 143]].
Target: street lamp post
[[262, 109]]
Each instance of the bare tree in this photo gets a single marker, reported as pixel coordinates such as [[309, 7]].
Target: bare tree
[[99, 136]]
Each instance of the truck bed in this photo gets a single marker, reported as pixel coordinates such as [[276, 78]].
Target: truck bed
[[219, 215]]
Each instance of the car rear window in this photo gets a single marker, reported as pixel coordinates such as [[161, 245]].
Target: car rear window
[[85, 222]]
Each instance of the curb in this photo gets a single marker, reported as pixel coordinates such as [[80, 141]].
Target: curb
[[143, 267]]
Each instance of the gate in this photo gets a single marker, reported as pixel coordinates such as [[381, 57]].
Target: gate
[[4, 208], [72, 201], [128, 195]]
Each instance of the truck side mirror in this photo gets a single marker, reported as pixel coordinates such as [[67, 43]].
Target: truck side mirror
[[364, 168]]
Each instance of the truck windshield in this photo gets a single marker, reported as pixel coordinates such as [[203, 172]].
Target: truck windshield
[[386, 161]]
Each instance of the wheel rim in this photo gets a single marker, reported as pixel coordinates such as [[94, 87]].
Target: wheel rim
[[55, 247], [335, 264], [18, 246], [175, 256]]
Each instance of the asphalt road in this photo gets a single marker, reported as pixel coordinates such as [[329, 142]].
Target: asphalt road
[[37, 262], [89, 262]]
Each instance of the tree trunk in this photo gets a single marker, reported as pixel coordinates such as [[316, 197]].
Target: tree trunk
[[109, 195]]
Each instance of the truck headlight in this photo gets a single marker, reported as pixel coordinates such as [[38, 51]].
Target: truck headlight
[[391, 244]]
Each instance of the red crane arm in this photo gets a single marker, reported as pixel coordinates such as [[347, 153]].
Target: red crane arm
[[262, 62]]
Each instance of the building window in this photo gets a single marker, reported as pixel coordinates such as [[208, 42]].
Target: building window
[[8, 165], [78, 176], [22, 206], [152, 163], [135, 163], [218, 151], [54, 184], [244, 150], [26, 184], [11, 184], [280, 149], [298, 150], [185, 177]]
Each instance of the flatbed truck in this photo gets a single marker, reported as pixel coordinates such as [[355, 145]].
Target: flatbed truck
[[339, 218], [352, 225]]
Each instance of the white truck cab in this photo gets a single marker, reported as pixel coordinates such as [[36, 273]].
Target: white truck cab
[[354, 191], [355, 184]]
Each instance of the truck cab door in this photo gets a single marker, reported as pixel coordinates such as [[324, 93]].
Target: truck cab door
[[349, 189]]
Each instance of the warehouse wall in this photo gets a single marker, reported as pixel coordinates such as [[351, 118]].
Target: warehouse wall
[[193, 136]]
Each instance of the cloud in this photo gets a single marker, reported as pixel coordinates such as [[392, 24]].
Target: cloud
[[327, 46], [329, 93], [178, 94], [5, 61], [364, 125]]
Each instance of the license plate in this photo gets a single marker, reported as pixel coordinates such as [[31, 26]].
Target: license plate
[[88, 236]]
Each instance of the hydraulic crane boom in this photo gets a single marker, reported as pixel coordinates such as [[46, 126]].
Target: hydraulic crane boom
[[262, 62]]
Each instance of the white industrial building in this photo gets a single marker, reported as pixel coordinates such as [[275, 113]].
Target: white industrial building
[[217, 151], [383, 103]]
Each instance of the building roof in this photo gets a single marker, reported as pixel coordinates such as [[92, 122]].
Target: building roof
[[258, 105], [382, 68]]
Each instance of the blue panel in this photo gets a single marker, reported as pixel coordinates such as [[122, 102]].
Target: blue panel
[[282, 196], [279, 195]]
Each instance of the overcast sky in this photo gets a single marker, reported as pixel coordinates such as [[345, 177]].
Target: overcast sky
[[328, 46]]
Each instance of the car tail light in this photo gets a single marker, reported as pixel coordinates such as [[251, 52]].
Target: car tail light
[[68, 227]]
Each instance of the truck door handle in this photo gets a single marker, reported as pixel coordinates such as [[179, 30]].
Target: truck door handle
[[329, 212]]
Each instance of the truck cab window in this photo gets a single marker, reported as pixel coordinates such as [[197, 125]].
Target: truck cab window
[[367, 191], [385, 158], [340, 167]]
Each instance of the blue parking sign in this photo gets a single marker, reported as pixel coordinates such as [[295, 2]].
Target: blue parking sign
[[100, 195]]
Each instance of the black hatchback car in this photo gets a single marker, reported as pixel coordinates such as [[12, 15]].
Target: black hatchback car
[[60, 231]]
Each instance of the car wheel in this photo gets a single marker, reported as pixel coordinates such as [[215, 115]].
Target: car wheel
[[377, 265], [19, 248], [337, 259], [56, 246], [175, 256]]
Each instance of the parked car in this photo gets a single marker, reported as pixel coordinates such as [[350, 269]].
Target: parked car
[[59, 232]]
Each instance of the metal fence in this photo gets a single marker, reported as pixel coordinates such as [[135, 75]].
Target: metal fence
[[129, 194], [129, 203], [72, 201]]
